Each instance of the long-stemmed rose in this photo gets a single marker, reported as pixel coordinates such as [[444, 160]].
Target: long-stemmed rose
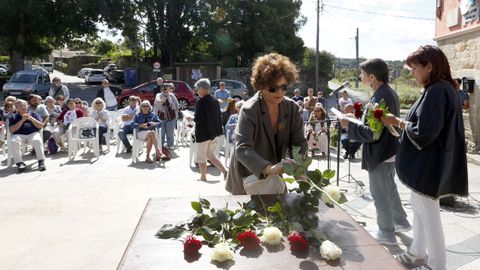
[[248, 239], [222, 253], [330, 251], [297, 241], [271, 236], [191, 245]]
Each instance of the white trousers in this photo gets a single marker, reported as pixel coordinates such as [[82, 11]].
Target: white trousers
[[428, 232], [34, 139]]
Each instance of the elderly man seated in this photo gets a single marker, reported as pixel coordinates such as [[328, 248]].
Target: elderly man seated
[[25, 128]]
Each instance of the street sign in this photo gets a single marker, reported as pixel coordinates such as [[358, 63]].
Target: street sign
[[156, 65], [156, 70]]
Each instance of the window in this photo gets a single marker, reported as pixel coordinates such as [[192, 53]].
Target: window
[[148, 88], [24, 78]]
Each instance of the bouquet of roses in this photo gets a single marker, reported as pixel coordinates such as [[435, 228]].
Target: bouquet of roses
[[374, 115]]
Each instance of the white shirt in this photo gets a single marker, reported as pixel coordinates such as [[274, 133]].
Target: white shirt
[[95, 114], [129, 111], [70, 116], [110, 98]]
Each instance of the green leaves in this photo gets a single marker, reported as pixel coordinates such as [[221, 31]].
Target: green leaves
[[288, 168], [169, 231], [197, 207]]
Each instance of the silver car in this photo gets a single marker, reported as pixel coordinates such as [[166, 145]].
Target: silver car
[[26, 82], [237, 89]]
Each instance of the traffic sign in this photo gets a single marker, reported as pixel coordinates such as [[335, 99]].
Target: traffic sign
[[156, 65]]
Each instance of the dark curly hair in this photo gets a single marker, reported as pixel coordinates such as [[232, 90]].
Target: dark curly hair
[[269, 68]]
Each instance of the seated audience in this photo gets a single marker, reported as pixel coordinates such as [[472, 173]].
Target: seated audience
[[24, 127], [128, 115], [70, 114], [34, 105], [350, 146], [317, 131], [101, 116], [146, 121], [232, 122]]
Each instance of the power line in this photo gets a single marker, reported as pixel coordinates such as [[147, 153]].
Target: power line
[[379, 14]]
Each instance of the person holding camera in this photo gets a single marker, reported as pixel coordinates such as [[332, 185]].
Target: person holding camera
[[166, 106]]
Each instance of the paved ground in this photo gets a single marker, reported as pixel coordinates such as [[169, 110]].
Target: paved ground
[[81, 214]]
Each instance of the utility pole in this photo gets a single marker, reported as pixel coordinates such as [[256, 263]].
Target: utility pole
[[358, 61], [317, 42]]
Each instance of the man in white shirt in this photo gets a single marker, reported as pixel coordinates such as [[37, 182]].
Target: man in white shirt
[[127, 119], [109, 95]]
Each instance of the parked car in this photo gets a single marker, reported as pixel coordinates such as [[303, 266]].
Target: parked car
[[39, 68], [95, 76], [83, 72], [47, 66], [237, 89], [183, 92], [110, 67], [3, 71], [116, 76], [26, 82]]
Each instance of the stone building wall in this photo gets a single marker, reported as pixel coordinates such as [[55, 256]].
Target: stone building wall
[[463, 52]]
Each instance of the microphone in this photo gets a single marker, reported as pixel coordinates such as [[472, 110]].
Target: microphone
[[344, 85]]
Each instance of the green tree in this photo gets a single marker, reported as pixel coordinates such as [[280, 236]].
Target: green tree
[[32, 28], [325, 68]]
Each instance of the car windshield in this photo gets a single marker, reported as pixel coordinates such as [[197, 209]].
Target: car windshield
[[96, 72], [24, 78]]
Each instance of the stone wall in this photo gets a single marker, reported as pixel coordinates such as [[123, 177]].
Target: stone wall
[[463, 53]]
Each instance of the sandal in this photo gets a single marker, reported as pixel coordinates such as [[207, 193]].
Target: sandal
[[406, 258], [148, 160], [165, 158], [157, 158]]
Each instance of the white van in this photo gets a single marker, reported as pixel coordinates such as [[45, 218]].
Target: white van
[[47, 66]]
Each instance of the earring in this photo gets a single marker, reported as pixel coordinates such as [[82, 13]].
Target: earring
[[260, 95]]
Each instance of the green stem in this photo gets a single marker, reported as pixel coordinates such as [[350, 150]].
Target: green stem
[[323, 191]]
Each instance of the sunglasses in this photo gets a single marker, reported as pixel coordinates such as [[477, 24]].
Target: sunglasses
[[78, 102], [273, 89], [98, 103]]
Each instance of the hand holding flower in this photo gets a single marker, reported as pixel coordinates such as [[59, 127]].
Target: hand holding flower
[[390, 119]]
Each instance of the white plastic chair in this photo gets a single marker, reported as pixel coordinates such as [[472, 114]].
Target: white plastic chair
[[75, 137], [137, 144], [9, 146]]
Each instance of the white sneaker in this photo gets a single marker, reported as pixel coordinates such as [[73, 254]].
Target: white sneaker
[[385, 240], [402, 228]]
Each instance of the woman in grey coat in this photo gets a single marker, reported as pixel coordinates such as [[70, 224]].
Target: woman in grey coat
[[268, 124]]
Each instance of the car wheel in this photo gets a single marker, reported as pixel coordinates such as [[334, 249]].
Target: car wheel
[[183, 104], [124, 103]]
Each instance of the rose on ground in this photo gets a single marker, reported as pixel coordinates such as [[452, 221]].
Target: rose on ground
[[333, 191], [378, 113], [191, 245], [222, 252], [271, 236], [248, 239], [330, 251], [297, 241]]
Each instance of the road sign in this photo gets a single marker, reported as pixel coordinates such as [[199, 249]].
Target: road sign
[[156, 70], [156, 65]]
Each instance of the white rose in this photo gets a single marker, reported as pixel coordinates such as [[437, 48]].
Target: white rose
[[334, 192], [222, 252], [330, 251], [271, 236]]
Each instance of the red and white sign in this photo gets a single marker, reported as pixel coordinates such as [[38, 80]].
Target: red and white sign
[[156, 65]]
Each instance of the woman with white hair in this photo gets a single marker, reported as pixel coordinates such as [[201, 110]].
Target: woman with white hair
[[146, 121], [100, 114]]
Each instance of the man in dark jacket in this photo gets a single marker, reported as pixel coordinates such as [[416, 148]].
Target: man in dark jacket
[[109, 95], [208, 126]]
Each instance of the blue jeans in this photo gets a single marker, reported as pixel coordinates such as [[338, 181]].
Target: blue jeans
[[111, 108], [122, 134], [386, 199], [168, 127]]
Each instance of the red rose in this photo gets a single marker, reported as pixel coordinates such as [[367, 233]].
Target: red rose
[[358, 114], [191, 245], [378, 113], [357, 106], [297, 242], [248, 239]]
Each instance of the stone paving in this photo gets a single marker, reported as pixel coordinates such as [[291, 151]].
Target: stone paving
[[81, 214]]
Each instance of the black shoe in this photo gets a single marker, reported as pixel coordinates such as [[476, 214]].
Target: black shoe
[[352, 156], [41, 165], [21, 167], [129, 149], [345, 156]]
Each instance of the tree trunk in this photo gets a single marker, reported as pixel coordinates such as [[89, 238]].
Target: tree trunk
[[16, 55]]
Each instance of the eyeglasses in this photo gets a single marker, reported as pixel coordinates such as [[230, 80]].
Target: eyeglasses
[[273, 89], [78, 102], [145, 106], [98, 103]]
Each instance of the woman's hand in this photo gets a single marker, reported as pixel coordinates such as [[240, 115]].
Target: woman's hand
[[390, 119], [276, 169]]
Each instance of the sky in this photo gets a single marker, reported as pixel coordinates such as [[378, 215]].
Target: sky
[[386, 37]]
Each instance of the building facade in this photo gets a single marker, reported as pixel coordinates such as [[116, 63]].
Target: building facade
[[457, 33]]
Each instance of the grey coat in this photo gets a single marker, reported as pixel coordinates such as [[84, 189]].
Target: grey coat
[[256, 146]]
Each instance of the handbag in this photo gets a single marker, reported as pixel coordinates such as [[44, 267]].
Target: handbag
[[169, 114], [270, 185]]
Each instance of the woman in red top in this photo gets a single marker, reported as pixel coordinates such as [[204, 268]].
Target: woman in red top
[[65, 119]]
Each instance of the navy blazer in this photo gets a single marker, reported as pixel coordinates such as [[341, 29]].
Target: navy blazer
[[376, 152], [431, 157]]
